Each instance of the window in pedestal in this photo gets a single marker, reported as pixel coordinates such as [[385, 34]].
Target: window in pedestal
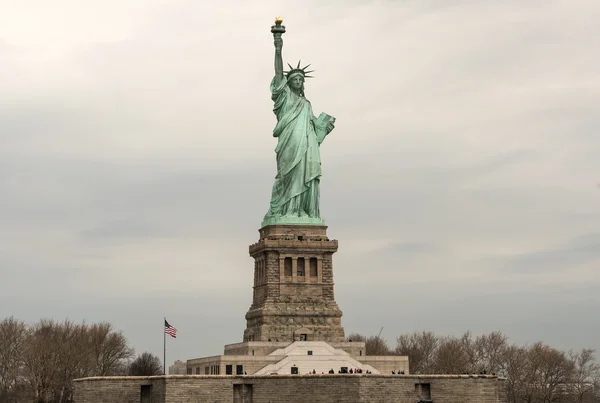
[[261, 271], [300, 270], [255, 272], [287, 266], [313, 267]]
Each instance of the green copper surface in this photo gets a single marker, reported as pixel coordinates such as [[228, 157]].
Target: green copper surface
[[299, 133]]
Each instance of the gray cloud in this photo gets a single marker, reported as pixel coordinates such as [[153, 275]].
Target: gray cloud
[[565, 256]]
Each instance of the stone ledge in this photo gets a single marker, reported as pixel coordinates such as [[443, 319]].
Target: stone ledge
[[250, 377], [284, 244]]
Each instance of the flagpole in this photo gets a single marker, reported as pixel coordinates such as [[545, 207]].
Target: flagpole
[[164, 348]]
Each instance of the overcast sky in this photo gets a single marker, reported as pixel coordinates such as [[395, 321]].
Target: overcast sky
[[462, 179]]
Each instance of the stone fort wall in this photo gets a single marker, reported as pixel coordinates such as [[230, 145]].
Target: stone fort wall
[[292, 388]]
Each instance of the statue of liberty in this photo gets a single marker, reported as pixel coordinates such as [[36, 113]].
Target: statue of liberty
[[295, 196]]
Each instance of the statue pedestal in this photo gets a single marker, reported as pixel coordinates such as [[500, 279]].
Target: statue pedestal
[[293, 298]]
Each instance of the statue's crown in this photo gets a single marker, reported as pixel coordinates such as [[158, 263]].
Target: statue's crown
[[297, 70]]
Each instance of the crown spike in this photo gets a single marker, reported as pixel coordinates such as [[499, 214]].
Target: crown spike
[[298, 70]]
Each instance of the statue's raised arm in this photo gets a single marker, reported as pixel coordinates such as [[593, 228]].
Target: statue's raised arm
[[278, 30], [295, 196]]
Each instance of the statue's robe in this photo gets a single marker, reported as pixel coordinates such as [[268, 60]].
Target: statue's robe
[[296, 187]]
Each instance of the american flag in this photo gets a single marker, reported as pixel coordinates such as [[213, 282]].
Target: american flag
[[170, 330]]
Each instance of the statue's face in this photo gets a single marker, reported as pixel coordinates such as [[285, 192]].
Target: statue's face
[[296, 82]]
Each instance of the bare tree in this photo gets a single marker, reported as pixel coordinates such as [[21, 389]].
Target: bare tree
[[554, 371], [73, 355], [376, 345], [515, 370], [473, 363], [108, 349], [57, 353], [146, 364], [356, 337], [13, 335], [430, 353], [453, 355], [489, 350], [42, 359], [586, 372], [537, 374], [420, 349]]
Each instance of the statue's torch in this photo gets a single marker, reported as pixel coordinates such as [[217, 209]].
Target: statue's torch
[[278, 29]]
